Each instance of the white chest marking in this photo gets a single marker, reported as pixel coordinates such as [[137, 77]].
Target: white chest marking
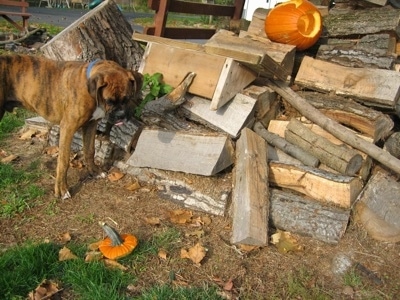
[[98, 114]]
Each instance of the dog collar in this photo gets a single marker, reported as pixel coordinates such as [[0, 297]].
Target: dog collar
[[90, 67]]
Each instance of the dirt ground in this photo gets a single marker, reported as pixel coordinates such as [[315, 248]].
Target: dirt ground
[[262, 273]]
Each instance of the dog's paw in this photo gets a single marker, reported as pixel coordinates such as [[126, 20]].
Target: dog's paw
[[67, 195]]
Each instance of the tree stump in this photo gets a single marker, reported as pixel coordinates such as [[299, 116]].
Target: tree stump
[[101, 33]]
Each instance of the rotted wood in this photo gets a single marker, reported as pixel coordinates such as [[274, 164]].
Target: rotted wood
[[97, 35], [340, 158], [363, 22], [305, 216], [371, 51], [316, 183], [250, 195], [369, 121], [285, 146]]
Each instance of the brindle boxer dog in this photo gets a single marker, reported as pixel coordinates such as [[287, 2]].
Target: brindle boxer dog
[[72, 94]]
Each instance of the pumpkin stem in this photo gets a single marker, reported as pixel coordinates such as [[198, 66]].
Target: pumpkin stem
[[112, 234]]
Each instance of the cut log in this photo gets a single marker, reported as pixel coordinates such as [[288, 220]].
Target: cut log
[[201, 193], [125, 135], [266, 58], [217, 78], [282, 144], [325, 187], [277, 155], [178, 151], [250, 195], [304, 216], [370, 122], [373, 20], [97, 35], [339, 131], [373, 87], [371, 51], [392, 144], [340, 158], [231, 118], [377, 207]]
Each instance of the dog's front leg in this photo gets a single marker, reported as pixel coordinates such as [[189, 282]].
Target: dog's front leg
[[89, 134]]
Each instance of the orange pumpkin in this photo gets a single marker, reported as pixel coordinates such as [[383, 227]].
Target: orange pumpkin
[[116, 245], [297, 22]]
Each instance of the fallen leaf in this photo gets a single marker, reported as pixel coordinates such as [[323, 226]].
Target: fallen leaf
[[247, 248], [285, 242], [9, 158], [93, 256], [206, 220], [45, 290], [66, 237], [162, 254], [114, 264], [52, 150], [76, 164], [115, 175], [27, 135], [133, 186], [195, 253], [152, 220], [94, 246], [180, 216], [228, 285], [197, 233], [66, 254]]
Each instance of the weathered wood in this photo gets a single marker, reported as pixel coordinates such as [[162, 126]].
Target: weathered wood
[[285, 146], [305, 216], [177, 151], [140, 37], [257, 26], [126, 134], [377, 207], [373, 87], [201, 193], [369, 121], [231, 118], [266, 58], [217, 78], [362, 22], [340, 158], [371, 51], [316, 183], [97, 35], [392, 144], [250, 195], [339, 131], [277, 155]]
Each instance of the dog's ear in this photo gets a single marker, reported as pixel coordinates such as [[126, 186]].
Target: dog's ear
[[94, 83]]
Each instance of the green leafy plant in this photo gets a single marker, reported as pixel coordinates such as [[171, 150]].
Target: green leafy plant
[[153, 87]]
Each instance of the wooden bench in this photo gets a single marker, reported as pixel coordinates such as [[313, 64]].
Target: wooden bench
[[25, 16]]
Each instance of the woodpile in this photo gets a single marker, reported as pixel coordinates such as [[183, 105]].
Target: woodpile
[[276, 137]]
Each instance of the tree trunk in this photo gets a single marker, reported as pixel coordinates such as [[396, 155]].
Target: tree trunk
[[101, 33]]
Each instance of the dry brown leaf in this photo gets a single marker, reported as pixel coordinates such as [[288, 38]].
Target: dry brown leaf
[[65, 237], [206, 220], [93, 256], [66, 254], [195, 253], [228, 286], [162, 254], [44, 291], [152, 220], [27, 135], [76, 164], [52, 150], [285, 242], [247, 248], [114, 264], [198, 233], [180, 216], [133, 186], [115, 175], [9, 158], [94, 246]]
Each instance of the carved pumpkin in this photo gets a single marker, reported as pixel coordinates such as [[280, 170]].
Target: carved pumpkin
[[297, 22], [115, 246]]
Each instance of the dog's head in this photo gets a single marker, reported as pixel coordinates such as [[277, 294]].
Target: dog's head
[[113, 87]]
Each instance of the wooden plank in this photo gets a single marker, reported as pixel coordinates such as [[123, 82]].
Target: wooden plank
[[140, 37], [316, 183], [181, 32], [305, 216], [250, 195], [261, 55], [230, 118], [373, 87], [184, 152]]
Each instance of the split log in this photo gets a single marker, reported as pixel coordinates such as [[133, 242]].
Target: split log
[[377, 207], [250, 195], [371, 122], [285, 146], [196, 192], [266, 58], [305, 216], [371, 51], [97, 35], [316, 183], [373, 87], [373, 20], [340, 158], [178, 151], [339, 131], [231, 118]]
